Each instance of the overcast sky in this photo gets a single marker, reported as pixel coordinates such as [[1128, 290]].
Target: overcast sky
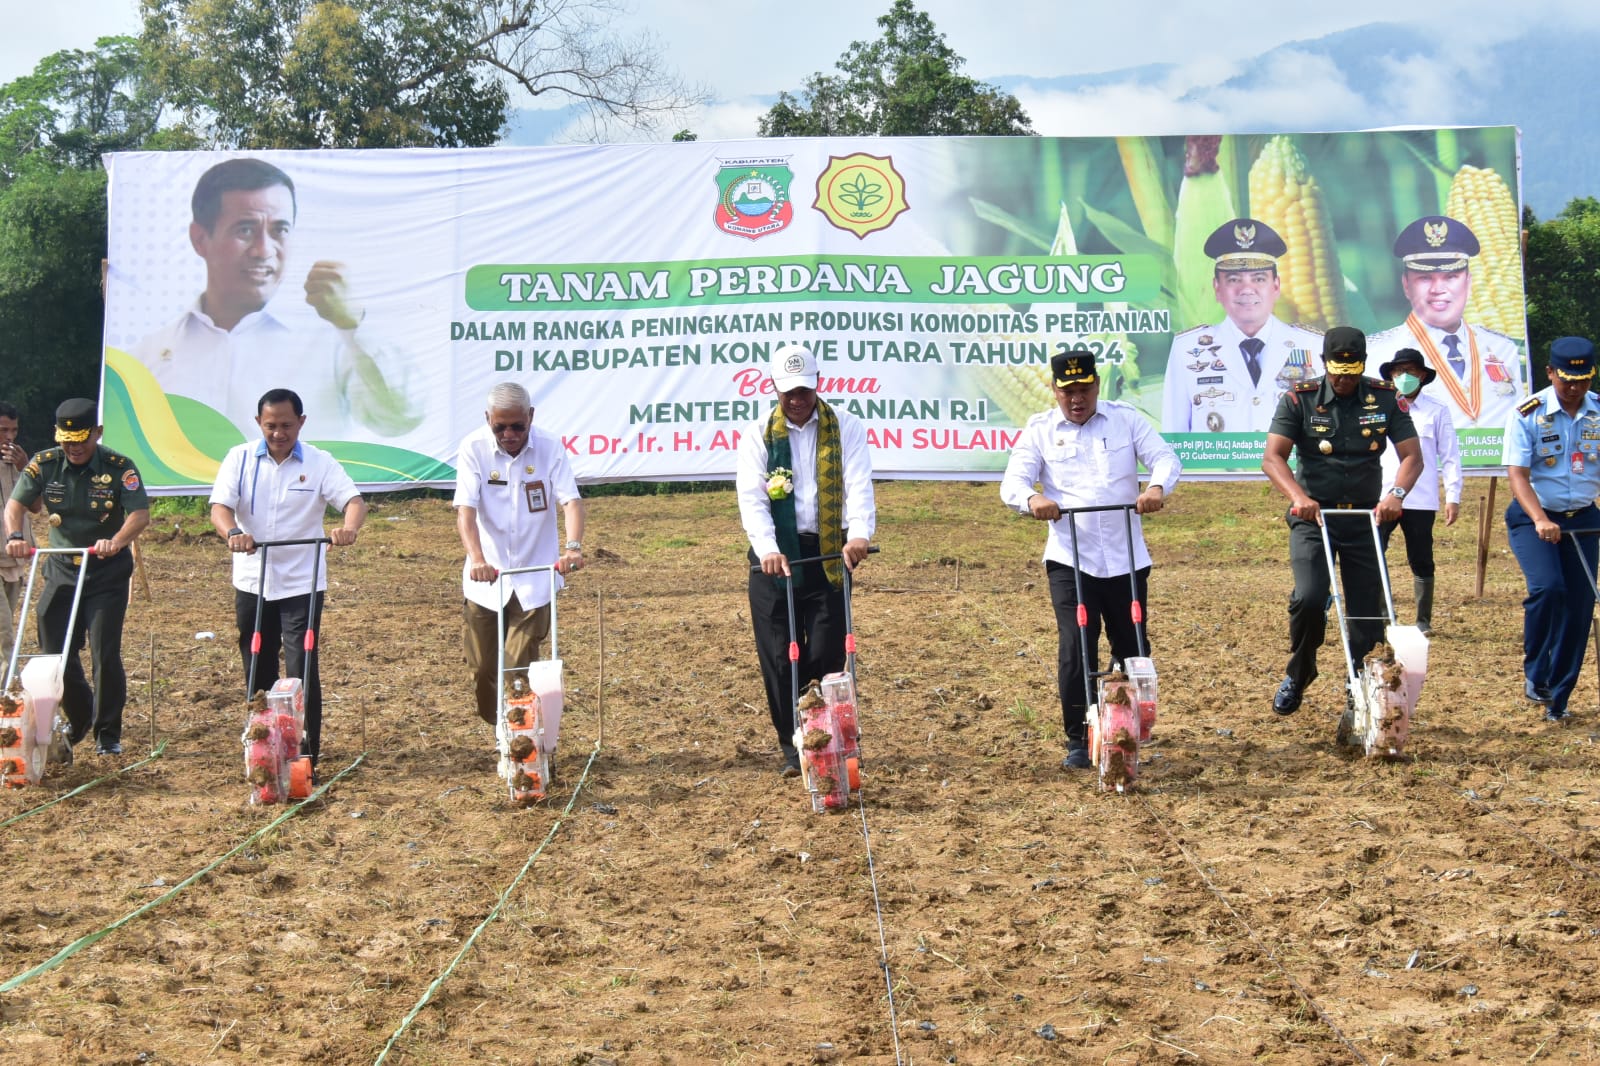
[[747, 50]]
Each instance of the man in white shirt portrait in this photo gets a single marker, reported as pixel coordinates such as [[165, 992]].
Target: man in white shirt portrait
[[236, 341], [1086, 452], [511, 477], [274, 489]]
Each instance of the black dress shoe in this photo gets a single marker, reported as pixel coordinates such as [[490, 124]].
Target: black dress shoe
[[1555, 714], [1077, 759], [113, 748], [1287, 701], [1535, 693]]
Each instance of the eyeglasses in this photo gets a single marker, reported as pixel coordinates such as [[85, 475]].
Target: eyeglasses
[[508, 427]]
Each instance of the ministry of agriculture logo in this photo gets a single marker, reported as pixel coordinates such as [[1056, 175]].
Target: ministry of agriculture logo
[[753, 196], [861, 193]]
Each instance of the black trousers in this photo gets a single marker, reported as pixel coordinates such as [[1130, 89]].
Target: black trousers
[[1417, 527], [819, 630], [283, 624], [1108, 602], [101, 612], [1351, 540]]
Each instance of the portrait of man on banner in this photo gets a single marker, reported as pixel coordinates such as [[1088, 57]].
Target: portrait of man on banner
[[246, 332]]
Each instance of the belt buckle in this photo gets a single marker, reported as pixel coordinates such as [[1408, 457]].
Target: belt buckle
[[1344, 507]]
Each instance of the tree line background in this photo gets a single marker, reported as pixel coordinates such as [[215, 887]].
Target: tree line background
[[409, 73]]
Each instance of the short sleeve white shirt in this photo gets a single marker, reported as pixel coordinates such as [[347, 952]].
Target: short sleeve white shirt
[[516, 498], [281, 501]]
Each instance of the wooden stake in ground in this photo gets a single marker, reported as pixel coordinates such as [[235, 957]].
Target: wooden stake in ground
[[138, 572], [1485, 523]]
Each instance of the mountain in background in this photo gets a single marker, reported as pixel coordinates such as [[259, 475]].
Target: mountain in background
[[1543, 82]]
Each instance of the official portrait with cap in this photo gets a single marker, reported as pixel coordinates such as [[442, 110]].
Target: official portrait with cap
[[96, 500], [1552, 458], [1226, 378], [1480, 372]]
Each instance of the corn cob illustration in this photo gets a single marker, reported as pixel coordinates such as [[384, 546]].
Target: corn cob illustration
[[1285, 195], [1021, 391], [1203, 205], [1480, 198]]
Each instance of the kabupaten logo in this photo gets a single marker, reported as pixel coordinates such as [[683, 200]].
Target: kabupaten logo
[[861, 193], [753, 196]]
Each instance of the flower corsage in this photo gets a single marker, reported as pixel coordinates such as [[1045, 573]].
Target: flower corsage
[[780, 483]]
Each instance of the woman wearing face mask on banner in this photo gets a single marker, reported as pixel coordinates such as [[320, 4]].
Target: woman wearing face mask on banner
[[1441, 456]]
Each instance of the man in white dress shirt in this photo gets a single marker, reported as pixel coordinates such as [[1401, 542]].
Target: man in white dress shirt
[[1227, 378], [1086, 452], [279, 488], [804, 480], [510, 479], [1441, 458], [1479, 371], [231, 346]]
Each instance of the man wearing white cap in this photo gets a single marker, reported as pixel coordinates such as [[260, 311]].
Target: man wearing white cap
[[804, 477]]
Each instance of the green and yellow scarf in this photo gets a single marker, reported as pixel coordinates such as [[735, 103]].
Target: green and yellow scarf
[[830, 489]]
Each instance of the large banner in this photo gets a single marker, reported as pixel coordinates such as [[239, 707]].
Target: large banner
[[638, 291]]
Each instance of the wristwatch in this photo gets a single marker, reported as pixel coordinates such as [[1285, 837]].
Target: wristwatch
[[574, 545], [235, 532], [1398, 493], [16, 534]]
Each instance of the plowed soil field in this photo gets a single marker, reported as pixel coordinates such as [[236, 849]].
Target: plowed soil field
[[1263, 896]]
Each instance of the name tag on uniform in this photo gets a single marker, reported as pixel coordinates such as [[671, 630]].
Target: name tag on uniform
[[534, 491], [1321, 423], [496, 480]]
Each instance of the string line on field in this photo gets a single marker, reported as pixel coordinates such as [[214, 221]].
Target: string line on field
[[494, 912], [84, 788], [1524, 834], [877, 908], [86, 941], [1265, 948]]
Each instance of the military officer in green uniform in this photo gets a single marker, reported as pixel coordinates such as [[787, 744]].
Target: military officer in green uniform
[[101, 504], [1337, 426]]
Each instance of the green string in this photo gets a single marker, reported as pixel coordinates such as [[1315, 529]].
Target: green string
[[84, 788], [86, 941], [494, 912]]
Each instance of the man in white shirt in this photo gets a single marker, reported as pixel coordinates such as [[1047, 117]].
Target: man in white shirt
[[230, 347], [1227, 378], [1441, 457], [274, 489], [804, 480], [1086, 452], [510, 477], [1479, 371]]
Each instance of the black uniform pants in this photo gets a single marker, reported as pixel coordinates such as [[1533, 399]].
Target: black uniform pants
[[1357, 556], [101, 612], [1108, 601], [283, 624], [1417, 527], [819, 630]]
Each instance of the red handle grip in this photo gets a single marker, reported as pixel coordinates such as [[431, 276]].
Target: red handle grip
[[794, 651]]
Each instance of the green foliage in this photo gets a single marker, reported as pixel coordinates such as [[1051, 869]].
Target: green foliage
[[392, 73], [906, 83], [1563, 277], [55, 124]]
